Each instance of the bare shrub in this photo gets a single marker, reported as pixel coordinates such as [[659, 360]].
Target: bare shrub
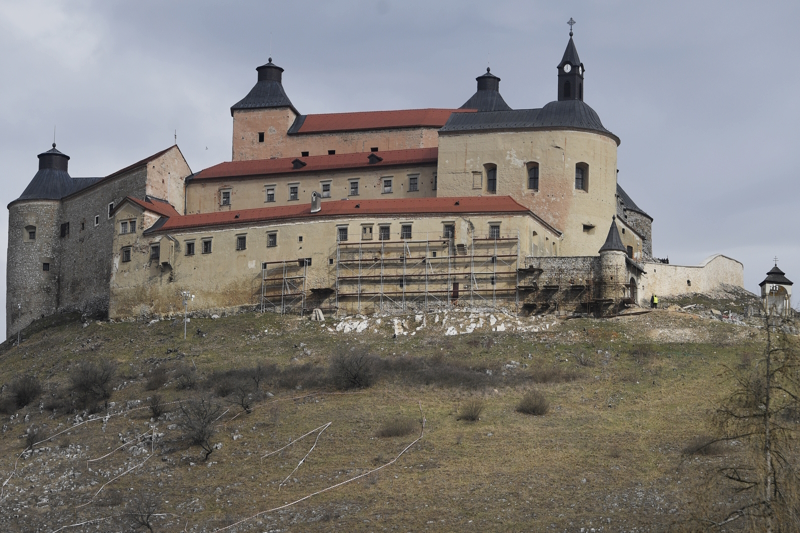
[[261, 373], [223, 385], [156, 405], [92, 382], [352, 371], [243, 396], [197, 421], [186, 378], [8, 406], [58, 401], [157, 379], [471, 410], [584, 360], [396, 427], [554, 374], [25, 389], [142, 509], [533, 403], [703, 445]]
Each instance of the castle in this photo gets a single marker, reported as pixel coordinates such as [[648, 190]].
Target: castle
[[480, 205]]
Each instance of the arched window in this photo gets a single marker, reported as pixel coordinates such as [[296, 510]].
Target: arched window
[[567, 90], [582, 176], [491, 179], [533, 176]]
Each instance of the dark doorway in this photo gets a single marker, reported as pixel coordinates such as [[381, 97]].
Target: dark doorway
[[634, 298], [455, 293]]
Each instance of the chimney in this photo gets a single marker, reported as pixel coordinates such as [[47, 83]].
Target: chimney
[[315, 202]]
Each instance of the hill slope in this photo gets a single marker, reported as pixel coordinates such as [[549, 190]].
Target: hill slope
[[626, 396]]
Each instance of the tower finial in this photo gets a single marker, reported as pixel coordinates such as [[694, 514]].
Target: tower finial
[[776, 260], [571, 24]]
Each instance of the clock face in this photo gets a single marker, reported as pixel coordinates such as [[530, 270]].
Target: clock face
[[567, 67], [580, 70]]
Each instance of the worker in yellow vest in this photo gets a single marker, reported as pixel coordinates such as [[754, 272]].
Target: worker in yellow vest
[[654, 302]]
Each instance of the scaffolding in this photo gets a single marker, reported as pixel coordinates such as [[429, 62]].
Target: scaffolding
[[283, 286], [399, 273]]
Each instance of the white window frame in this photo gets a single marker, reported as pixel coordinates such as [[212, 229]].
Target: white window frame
[[267, 190], [222, 193], [383, 185], [296, 186], [413, 183], [324, 193], [350, 184]]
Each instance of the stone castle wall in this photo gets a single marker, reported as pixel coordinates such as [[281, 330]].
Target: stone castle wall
[[674, 280]]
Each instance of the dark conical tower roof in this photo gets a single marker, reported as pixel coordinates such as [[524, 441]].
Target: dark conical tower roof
[[570, 54], [52, 181], [776, 275], [487, 97], [268, 91], [613, 242]]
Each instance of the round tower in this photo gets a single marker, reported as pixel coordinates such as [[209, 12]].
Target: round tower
[[613, 272], [33, 235]]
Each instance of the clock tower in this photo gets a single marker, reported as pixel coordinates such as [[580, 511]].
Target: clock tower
[[570, 72]]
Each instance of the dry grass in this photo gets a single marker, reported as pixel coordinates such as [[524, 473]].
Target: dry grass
[[622, 437], [397, 427], [471, 410], [533, 403]]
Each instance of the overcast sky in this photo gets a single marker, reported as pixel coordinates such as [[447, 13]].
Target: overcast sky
[[702, 94]]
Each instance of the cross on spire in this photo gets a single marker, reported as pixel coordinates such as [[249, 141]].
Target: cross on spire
[[571, 24], [776, 260]]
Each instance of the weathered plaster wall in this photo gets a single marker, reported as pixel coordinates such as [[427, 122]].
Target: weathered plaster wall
[[165, 178], [674, 280], [228, 277], [275, 124], [204, 196], [556, 201]]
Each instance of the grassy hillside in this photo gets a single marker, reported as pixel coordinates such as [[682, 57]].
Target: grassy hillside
[[626, 396]]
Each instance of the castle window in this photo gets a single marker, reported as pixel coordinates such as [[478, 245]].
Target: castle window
[[494, 231], [261, 136], [435, 179], [293, 192], [326, 189], [65, 229], [272, 240], [241, 242], [449, 231], [366, 233], [97, 220], [373, 149], [341, 233], [299, 238], [533, 176], [45, 267], [629, 250], [383, 233], [567, 90], [31, 230], [123, 227], [330, 260], [110, 211], [225, 197], [354, 188], [270, 194], [303, 154], [413, 183], [582, 177], [405, 231], [155, 252], [126, 255], [387, 185], [207, 246], [190, 248], [331, 152], [491, 179]]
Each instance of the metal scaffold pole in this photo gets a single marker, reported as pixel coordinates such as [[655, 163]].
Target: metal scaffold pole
[[337, 276], [359, 276], [472, 279], [303, 301], [383, 247], [283, 288], [494, 273], [427, 257]]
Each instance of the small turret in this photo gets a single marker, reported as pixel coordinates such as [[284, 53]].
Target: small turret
[[570, 74], [52, 181], [268, 91], [487, 97], [613, 241]]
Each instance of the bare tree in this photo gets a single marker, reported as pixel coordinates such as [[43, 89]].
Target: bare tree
[[143, 508], [197, 420], [762, 413]]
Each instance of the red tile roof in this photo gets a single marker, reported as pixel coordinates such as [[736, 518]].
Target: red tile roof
[[155, 205], [260, 167], [376, 120], [350, 208]]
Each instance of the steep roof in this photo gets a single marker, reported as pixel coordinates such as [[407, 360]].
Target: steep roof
[[613, 242], [350, 208], [487, 97], [775, 275], [267, 92], [566, 115], [151, 203], [372, 120], [314, 163], [628, 202], [570, 54]]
